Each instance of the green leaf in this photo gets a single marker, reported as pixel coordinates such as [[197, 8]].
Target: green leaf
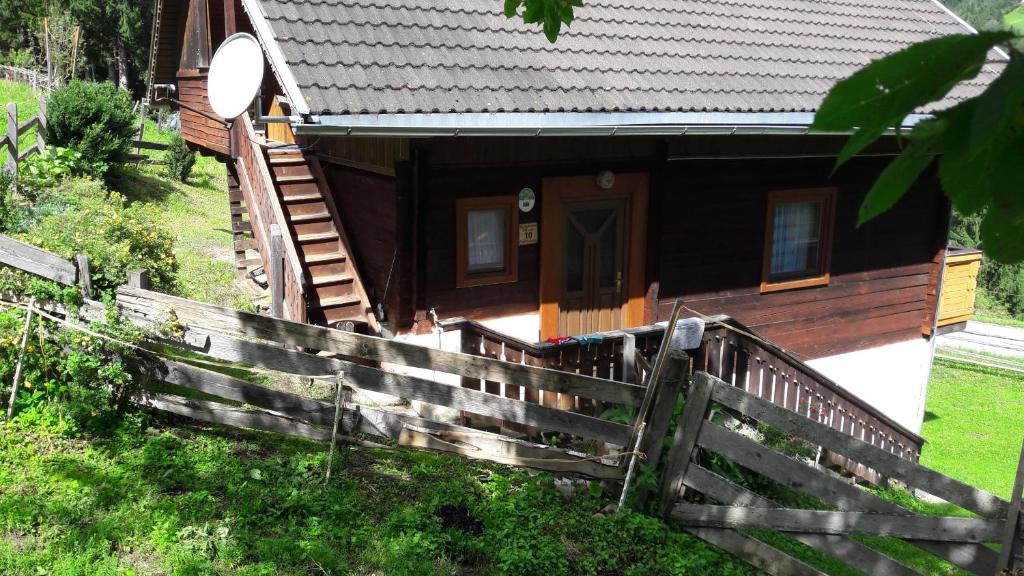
[[882, 94], [510, 7], [1002, 237], [999, 106], [1007, 181], [900, 174]]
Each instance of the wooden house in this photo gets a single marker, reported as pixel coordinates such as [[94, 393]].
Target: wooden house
[[411, 160]]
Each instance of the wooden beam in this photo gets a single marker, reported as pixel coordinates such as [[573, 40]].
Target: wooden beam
[[253, 419], [412, 388], [36, 261], [11, 165], [754, 552], [836, 493], [511, 453], [276, 272], [685, 440], [849, 551], [84, 274], [942, 529], [155, 306], [664, 406], [932, 482]]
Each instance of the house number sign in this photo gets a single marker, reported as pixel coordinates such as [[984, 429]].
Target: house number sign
[[528, 233]]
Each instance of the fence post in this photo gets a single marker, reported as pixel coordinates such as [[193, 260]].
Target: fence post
[[41, 127], [84, 276], [1011, 538], [12, 140], [276, 272], [138, 279]]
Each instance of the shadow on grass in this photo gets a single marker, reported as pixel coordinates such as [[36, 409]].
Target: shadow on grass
[[930, 416], [138, 187]]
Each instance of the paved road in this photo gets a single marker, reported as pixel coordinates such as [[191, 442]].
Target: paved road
[[987, 338]]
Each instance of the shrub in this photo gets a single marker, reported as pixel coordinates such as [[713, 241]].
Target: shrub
[[72, 383], [94, 118], [179, 159], [116, 237], [54, 165], [8, 211]]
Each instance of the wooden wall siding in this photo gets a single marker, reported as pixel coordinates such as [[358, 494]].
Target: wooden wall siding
[[279, 131], [437, 205], [197, 50], [167, 38], [378, 155], [195, 128], [712, 234], [368, 206], [959, 286]]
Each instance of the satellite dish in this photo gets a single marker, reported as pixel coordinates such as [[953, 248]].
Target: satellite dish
[[235, 77]]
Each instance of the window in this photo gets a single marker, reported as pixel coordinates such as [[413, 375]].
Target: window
[[487, 241], [798, 239]]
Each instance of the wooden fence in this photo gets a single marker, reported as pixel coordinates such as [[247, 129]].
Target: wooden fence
[[35, 80], [188, 375], [15, 131], [728, 350], [849, 509], [46, 264]]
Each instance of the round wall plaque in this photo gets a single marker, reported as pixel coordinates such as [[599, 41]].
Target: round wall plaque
[[527, 199]]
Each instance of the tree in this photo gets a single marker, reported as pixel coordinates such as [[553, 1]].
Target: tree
[[116, 36]]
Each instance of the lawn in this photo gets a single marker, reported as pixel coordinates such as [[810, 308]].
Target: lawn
[[198, 214], [28, 106], [974, 425], [194, 501]]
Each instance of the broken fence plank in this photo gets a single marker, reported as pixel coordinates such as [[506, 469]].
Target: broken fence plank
[[932, 482], [943, 529], [512, 454], [862, 557], [372, 348], [254, 419], [754, 552], [840, 495], [413, 388], [36, 261]]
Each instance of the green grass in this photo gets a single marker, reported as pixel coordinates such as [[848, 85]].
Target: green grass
[[974, 425], [1001, 320], [28, 107], [197, 212], [190, 501]]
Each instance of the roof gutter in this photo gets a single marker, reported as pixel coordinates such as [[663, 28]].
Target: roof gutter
[[565, 124]]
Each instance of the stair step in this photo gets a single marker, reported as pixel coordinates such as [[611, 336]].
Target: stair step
[[235, 195], [294, 179], [324, 257], [331, 279], [337, 301], [240, 227], [286, 160], [244, 244], [309, 217], [250, 262], [317, 237], [306, 197]]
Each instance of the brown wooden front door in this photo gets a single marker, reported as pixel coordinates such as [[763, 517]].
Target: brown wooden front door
[[594, 253], [593, 249]]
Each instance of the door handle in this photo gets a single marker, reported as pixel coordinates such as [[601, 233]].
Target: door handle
[[618, 281]]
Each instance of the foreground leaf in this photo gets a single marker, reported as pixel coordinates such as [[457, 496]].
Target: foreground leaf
[[885, 92], [898, 176]]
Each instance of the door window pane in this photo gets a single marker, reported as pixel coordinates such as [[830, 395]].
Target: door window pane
[[574, 256], [796, 238], [486, 238]]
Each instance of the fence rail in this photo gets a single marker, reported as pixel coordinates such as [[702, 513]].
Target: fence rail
[[959, 541], [11, 138], [35, 80]]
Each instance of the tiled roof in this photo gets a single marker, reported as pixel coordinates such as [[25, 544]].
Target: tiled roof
[[422, 56]]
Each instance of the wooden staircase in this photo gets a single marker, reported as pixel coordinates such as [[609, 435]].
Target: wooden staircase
[[334, 290]]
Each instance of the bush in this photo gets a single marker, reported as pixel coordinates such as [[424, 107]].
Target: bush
[[94, 118], [179, 159], [72, 383], [8, 211], [54, 165], [117, 237]]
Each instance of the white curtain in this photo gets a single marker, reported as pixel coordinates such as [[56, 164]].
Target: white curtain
[[795, 237], [486, 235]]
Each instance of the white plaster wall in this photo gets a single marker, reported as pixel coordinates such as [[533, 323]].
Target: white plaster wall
[[892, 378]]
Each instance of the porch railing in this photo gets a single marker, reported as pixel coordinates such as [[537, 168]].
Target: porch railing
[[729, 350], [265, 212]]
